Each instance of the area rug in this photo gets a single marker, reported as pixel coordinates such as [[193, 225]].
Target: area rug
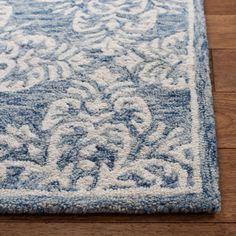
[[106, 106]]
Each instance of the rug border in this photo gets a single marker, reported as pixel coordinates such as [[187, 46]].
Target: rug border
[[208, 201]]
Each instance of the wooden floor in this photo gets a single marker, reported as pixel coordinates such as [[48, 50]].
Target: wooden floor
[[221, 22]]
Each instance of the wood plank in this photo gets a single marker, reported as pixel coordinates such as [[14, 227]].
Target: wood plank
[[224, 70], [221, 31], [225, 108], [211, 70], [113, 229], [228, 213], [220, 7]]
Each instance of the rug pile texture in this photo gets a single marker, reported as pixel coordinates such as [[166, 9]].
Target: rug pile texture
[[106, 106]]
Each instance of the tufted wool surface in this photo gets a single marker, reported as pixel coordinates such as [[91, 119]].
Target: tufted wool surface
[[105, 106]]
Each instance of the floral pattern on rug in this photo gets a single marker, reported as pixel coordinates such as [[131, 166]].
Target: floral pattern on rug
[[98, 97]]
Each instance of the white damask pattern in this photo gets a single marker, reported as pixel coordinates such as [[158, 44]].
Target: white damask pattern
[[105, 105]]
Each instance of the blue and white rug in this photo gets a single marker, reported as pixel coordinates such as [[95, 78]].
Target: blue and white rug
[[105, 106]]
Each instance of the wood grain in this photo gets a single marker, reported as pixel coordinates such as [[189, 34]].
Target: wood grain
[[220, 7], [224, 64], [116, 229], [225, 108], [211, 70], [228, 213], [221, 31]]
